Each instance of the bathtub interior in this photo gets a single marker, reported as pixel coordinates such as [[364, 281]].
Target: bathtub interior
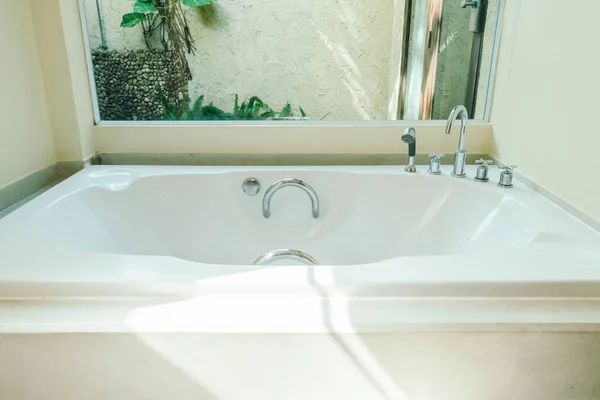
[[365, 218]]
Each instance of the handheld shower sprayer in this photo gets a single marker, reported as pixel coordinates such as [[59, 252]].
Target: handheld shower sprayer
[[410, 137]]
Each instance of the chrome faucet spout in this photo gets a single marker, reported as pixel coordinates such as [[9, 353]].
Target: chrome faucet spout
[[266, 204], [464, 119], [460, 157]]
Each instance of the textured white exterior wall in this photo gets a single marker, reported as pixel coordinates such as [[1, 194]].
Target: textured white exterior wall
[[338, 57], [26, 143]]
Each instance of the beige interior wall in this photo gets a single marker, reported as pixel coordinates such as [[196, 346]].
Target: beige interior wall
[[545, 104], [382, 138], [63, 60], [26, 144]]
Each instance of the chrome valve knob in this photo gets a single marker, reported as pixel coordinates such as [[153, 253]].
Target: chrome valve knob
[[506, 177], [434, 164], [482, 170]]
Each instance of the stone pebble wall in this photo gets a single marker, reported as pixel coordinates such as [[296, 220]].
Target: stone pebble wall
[[132, 85]]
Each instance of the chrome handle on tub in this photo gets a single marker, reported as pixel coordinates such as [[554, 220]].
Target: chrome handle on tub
[[251, 186], [506, 176], [314, 198], [507, 167], [285, 253], [482, 170], [434, 164]]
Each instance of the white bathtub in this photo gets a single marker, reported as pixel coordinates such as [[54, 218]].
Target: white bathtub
[[395, 250]]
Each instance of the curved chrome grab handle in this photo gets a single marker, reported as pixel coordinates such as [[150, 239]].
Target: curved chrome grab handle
[[285, 253], [266, 204]]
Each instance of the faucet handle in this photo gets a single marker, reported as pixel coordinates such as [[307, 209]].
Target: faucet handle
[[507, 167], [482, 171], [434, 164], [481, 161], [506, 177]]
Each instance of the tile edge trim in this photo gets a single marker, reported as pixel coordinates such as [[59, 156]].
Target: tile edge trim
[[14, 195], [557, 200], [24, 187], [243, 159], [566, 206]]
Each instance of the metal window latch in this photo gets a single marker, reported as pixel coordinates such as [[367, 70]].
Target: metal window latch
[[467, 3], [506, 176], [478, 14], [482, 170], [434, 164]]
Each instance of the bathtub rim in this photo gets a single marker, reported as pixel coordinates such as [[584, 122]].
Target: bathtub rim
[[62, 275]]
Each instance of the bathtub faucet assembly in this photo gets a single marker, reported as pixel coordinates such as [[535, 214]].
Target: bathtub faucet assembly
[[266, 204]]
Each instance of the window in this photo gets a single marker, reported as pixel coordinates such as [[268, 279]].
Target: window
[[344, 60]]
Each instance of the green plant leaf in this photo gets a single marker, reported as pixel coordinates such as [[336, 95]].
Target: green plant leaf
[[132, 19], [252, 111], [242, 110], [196, 108], [255, 101], [196, 3], [211, 112], [236, 105], [286, 111], [144, 6], [268, 114]]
